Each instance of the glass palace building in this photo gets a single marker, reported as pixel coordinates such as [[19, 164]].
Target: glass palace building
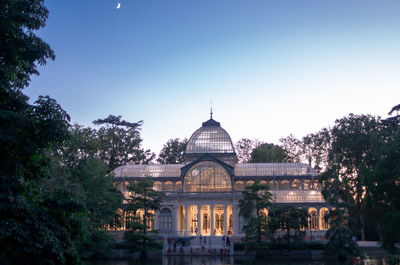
[[202, 195]]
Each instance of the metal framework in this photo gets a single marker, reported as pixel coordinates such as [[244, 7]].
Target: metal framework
[[241, 170], [210, 138]]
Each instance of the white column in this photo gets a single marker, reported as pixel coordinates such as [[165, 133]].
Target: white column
[[175, 220], [235, 219], [186, 219], [156, 220], [212, 220], [199, 219], [225, 220]]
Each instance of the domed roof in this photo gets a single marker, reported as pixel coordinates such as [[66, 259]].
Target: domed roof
[[210, 138]]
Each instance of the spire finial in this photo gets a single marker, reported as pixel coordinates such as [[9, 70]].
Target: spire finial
[[211, 109]]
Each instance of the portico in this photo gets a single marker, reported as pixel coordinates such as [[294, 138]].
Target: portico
[[205, 219]]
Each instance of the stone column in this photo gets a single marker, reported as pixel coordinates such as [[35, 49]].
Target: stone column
[[175, 220], [156, 220], [212, 220], [186, 219], [235, 219], [199, 219], [225, 220]]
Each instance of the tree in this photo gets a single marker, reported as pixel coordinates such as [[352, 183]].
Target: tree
[[101, 200], [256, 198], [77, 166], [268, 153], [37, 225], [341, 243], [119, 142], [311, 149], [81, 144], [21, 50], [292, 146], [142, 198], [384, 190], [289, 219], [172, 152], [355, 140], [244, 147]]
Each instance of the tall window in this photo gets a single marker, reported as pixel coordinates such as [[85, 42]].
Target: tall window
[[165, 220], [271, 184], [207, 177], [285, 184], [264, 218], [324, 224], [168, 186], [313, 218], [249, 183], [296, 184], [317, 185], [239, 185], [157, 186], [307, 184], [178, 186]]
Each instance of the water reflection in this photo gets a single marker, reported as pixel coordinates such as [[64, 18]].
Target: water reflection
[[209, 260]]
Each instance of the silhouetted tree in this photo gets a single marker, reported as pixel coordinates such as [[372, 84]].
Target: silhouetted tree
[[172, 152]]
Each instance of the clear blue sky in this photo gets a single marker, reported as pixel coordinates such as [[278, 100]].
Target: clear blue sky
[[271, 68]]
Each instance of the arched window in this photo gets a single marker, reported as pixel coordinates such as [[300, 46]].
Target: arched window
[[207, 177], [285, 184], [324, 224], [157, 186], [116, 223], [307, 184], [263, 182], [264, 218], [178, 186], [205, 222], [165, 220], [249, 183], [239, 185], [271, 184], [149, 218], [313, 218], [296, 184], [317, 185], [168, 186]]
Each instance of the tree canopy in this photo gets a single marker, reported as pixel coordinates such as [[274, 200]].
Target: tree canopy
[[268, 153], [256, 199], [172, 152], [244, 147], [142, 198]]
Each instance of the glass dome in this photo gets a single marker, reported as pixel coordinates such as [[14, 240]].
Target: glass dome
[[210, 138], [207, 177]]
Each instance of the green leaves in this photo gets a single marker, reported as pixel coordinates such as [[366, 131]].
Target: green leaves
[[146, 200], [172, 152], [289, 219], [255, 199], [268, 153]]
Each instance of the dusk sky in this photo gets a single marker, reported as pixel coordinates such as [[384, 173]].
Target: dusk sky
[[271, 68]]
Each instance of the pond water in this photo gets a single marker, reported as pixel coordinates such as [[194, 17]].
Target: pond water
[[208, 260]]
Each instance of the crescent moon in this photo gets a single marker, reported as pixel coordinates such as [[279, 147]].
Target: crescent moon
[[118, 5]]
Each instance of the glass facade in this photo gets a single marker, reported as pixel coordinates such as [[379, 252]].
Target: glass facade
[[147, 171], [210, 139], [207, 177], [274, 169], [297, 196], [202, 195]]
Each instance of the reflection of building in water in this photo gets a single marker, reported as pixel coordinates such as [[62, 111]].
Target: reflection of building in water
[[202, 195], [198, 260]]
